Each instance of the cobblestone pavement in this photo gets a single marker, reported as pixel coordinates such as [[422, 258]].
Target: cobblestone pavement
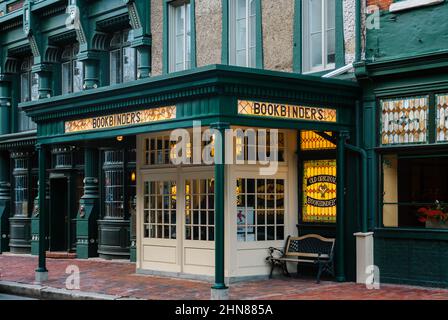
[[119, 278]]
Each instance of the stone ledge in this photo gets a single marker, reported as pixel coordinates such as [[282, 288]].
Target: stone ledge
[[412, 4], [49, 293]]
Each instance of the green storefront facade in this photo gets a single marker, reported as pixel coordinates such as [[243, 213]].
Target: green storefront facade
[[88, 142]]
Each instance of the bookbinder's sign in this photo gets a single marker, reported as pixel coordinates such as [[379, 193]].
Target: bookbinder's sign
[[121, 119], [285, 111]]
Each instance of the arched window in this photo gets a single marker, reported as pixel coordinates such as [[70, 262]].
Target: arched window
[[72, 70], [29, 91], [123, 58]]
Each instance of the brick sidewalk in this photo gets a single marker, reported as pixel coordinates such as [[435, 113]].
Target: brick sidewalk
[[119, 278]]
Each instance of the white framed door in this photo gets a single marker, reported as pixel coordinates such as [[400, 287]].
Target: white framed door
[[198, 220], [177, 220], [160, 236]]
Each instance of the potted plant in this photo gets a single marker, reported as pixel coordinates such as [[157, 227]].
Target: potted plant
[[435, 216]]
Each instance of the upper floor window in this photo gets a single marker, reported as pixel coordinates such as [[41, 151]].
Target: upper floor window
[[29, 81], [179, 36], [29, 91], [242, 27], [72, 70], [123, 58], [319, 36]]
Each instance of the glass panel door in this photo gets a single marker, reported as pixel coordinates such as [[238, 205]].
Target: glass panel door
[[159, 211]]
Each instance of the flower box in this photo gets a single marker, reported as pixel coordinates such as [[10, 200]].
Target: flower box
[[434, 224]]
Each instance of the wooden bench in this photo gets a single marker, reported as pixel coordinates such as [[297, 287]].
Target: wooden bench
[[309, 249]]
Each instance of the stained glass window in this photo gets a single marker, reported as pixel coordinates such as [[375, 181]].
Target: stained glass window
[[404, 120], [319, 191], [442, 117], [311, 140]]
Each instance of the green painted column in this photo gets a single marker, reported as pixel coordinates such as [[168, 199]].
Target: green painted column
[[44, 72], [219, 205], [144, 67], [5, 185], [142, 44], [5, 201], [340, 215], [86, 223], [41, 271], [91, 61]]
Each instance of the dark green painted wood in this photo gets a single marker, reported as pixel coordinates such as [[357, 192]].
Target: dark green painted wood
[[88, 213], [297, 49], [405, 34], [225, 32], [340, 44], [340, 209], [219, 206], [43, 210], [5, 201]]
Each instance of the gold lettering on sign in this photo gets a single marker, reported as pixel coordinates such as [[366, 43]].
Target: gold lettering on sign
[[121, 119], [276, 110]]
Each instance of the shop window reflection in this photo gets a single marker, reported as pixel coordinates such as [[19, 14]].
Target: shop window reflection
[[260, 209]]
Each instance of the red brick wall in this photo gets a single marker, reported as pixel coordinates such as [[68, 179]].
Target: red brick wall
[[383, 4]]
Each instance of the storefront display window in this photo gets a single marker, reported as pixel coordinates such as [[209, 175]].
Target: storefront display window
[[404, 121], [260, 209], [319, 191], [113, 184], [415, 191]]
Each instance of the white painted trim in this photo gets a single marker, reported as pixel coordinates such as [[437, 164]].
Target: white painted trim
[[412, 4], [339, 71]]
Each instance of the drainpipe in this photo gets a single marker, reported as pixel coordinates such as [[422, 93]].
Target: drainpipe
[[363, 155]]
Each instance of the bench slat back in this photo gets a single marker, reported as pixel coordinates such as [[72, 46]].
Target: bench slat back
[[310, 246]]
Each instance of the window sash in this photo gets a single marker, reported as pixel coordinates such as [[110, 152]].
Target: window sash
[[115, 67], [67, 77], [242, 33], [179, 37], [319, 40]]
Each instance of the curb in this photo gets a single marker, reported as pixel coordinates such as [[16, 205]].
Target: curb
[[49, 293]]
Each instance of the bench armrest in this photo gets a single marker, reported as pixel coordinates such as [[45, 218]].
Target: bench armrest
[[271, 253]]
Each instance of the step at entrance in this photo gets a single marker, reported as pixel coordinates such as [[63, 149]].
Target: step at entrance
[[60, 255]]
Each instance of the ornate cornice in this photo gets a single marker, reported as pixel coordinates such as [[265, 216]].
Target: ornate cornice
[[206, 81]]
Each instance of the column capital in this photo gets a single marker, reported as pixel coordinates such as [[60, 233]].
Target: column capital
[[43, 67], [5, 77], [344, 134], [88, 55]]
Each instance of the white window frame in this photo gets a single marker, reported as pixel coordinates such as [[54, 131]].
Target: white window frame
[[232, 34], [306, 39], [186, 60]]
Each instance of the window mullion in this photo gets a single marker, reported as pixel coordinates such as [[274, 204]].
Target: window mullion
[[247, 33], [324, 32]]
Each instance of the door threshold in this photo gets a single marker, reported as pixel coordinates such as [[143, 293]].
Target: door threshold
[[61, 255]]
